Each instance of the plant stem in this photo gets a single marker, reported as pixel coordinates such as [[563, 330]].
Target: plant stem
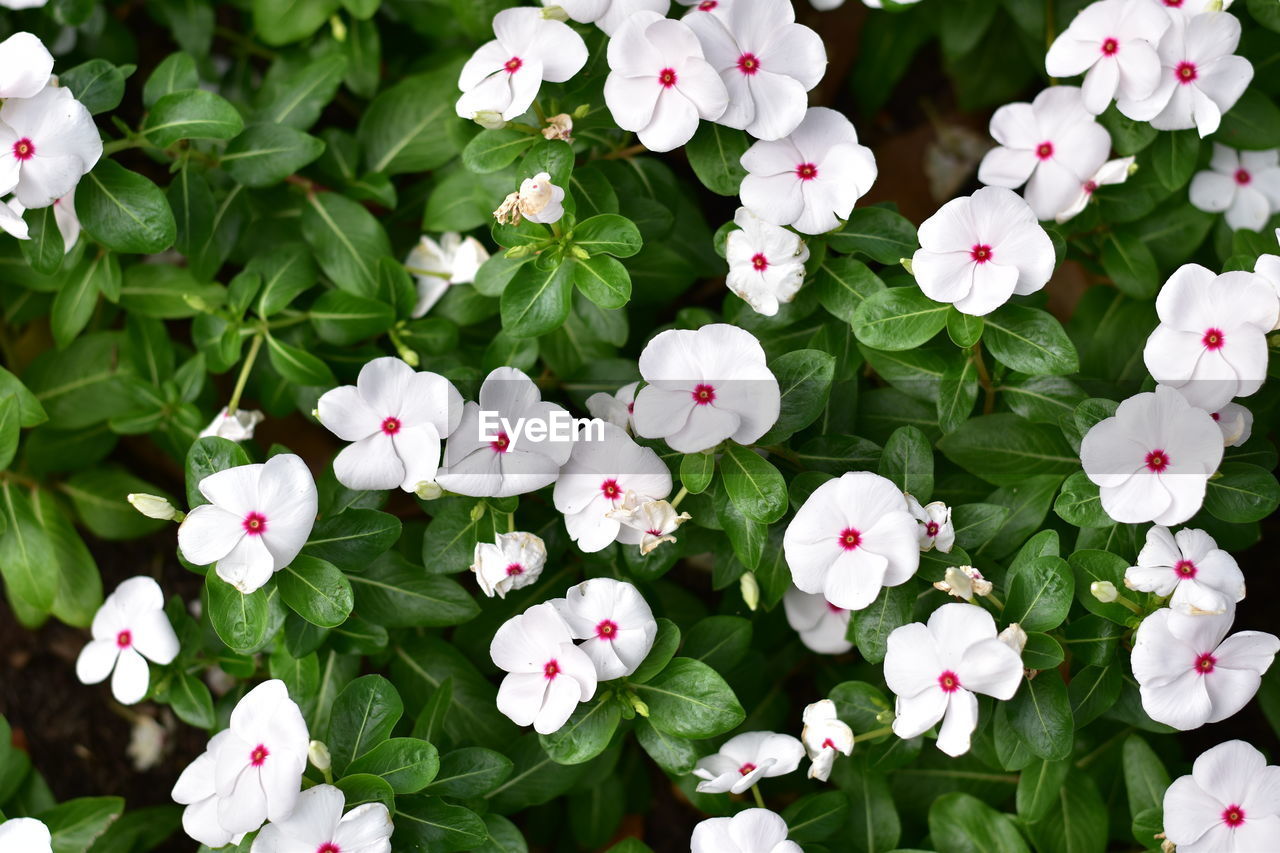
[[511, 522], [624, 153], [254, 346], [984, 378], [873, 734], [680, 495], [755, 792], [991, 596], [1130, 605]]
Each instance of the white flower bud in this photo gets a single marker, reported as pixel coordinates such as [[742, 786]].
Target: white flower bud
[[153, 506], [1014, 637], [750, 590], [318, 755], [489, 119], [555, 13], [428, 490], [1104, 591]]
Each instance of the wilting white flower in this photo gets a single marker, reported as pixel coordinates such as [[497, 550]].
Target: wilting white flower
[[978, 251], [1110, 172], [1245, 184], [766, 262], [608, 15], [129, 629], [1014, 637], [317, 825], [655, 521], [25, 64], [1052, 144], [47, 142], [614, 408], [1188, 675], [936, 529], [538, 200], [504, 75], [963, 582], [484, 459], [1152, 460], [1236, 423], [1200, 77], [767, 61], [821, 625], [705, 386], [852, 537], [1113, 43], [812, 177], [616, 622], [659, 83], [435, 266], [395, 418], [146, 743], [547, 675], [749, 831], [1228, 803], [257, 520], [25, 834], [234, 427], [936, 668], [513, 561], [825, 736], [746, 759], [1211, 343], [1189, 565], [561, 126]]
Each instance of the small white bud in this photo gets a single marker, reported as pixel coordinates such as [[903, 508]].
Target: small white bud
[[489, 119], [750, 590], [428, 490], [1104, 591], [1014, 637], [318, 754], [554, 13], [153, 506]]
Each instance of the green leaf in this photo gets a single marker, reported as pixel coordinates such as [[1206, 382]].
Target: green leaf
[[604, 280], [1091, 566], [975, 524], [690, 699], [873, 625], [361, 788], [396, 595], [878, 233], [696, 471], [30, 412], [354, 538], [1039, 784], [665, 643], [207, 456], [754, 485], [76, 301], [1130, 264], [175, 73], [714, 153], [100, 498], [364, 714], [26, 552], [76, 824], [286, 272], [283, 21], [587, 732], [842, 284], [1145, 781], [907, 460], [719, 641], [191, 701], [124, 211], [472, 771], [44, 249], [1040, 594], [961, 823], [816, 817], [1030, 341], [675, 755], [608, 233], [1040, 714], [429, 823], [1003, 449], [97, 84], [1078, 820], [957, 393], [407, 764], [297, 365], [1243, 493], [296, 99], [316, 590], [79, 583], [491, 150], [1093, 691], [343, 318], [1080, 503], [861, 705], [402, 130], [195, 114], [240, 621], [450, 541], [266, 154], [1173, 157], [347, 241], [804, 381], [163, 292], [965, 330], [1252, 124], [537, 300], [898, 318]]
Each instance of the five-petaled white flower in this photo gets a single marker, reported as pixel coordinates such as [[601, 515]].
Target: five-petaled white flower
[[660, 84], [1236, 423], [1188, 675], [811, 178], [47, 142], [129, 629], [614, 620], [821, 625], [25, 834], [257, 520], [317, 825], [25, 66], [512, 561], [978, 251], [1113, 43], [504, 75], [233, 427], [852, 537], [825, 736], [1152, 460], [936, 668], [745, 759], [705, 386], [435, 266], [1228, 803], [547, 675], [1245, 184], [1189, 565], [608, 15], [654, 521], [1111, 172], [766, 262], [614, 408], [936, 529], [1211, 343], [749, 831]]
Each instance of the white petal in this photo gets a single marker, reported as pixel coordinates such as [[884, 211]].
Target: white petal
[[131, 679], [96, 661]]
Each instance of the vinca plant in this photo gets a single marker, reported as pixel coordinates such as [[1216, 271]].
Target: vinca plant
[[484, 425]]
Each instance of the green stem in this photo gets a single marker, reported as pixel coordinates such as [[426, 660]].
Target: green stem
[[419, 271], [1130, 605], [984, 379], [116, 145], [755, 792], [254, 346], [511, 522], [680, 495], [873, 734], [991, 596]]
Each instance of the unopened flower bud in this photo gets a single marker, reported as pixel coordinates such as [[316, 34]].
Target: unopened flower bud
[[582, 111], [1014, 637], [318, 754], [750, 590], [906, 265], [153, 506], [579, 253], [477, 511], [489, 119], [554, 13], [519, 251], [1104, 591], [338, 28], [636, 702], [199, 303], [428, 490]]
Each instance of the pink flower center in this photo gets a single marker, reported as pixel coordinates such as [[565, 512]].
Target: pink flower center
[[515, 569], [501, 443], [391, 426], [124, 639], [704, 395], [949, 682], [1233, 816], [611, 489], [607, 630], [1173, 4], [1185, 568], [1217, 416], [1157, 461], [828, 744], [631, 408], [24, 149], [1205, 663], [1090, 187], [667, 77], [328, 847], [931, 529], [1243, 177], [1044, 150], [255, 524], [759, 261], [746, 768], [654, 532], [259, 755], [806, 171], [1185, 72], [708, 5], [834, 609], [1213, 339], [551, 669], [980, 252], [1110, 46], [850, 539], [513, 64], [748, 64]]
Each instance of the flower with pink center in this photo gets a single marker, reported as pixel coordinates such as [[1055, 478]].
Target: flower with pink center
[[766, 262], [746, 759], [614, 408], [25, 66], [25, 834], [503, 76], [129, 629], [767, 61], [608, 15], [547, 675], [977, 252], [1189, 675], [47, 142], [1211, 343], [1228, 803], [811, 178], [1236, 423], [1183, 9], [512, 561], [614, 620], [1200, 75], [256, 520], [822, 626], [655, 521], [1244, 184], [852, 537], [934, 520], [937, 668], [1188, 565], [1111, 172], [825, 737], [1113, 43], [748, 831], [704, 386], [317, 825]]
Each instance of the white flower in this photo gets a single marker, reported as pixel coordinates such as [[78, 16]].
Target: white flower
[[435, 266], [1189, 565], [767, 61], [705, 386], [22, 4], [1211, 343], [936, 529], [608, 15], [825, 736], [1188, 675], [1190, 8], [1246, 184], [654, 521], [811, 178], [540, 200], [821, 625], [257, 520], [484, 460], [749, 831], [1014, 637], [963, 582], [396, 418], [25, 834], [852, 537], [614, 408], [318, 824], [1153, 458], [234, 427], [766, 262], [513, 561], [504, 75], [1052, 144], [1111, 172], [976, 252], [146, 747], [25, 64], [936, 669], [659, 84], [11, 221], [1228, 803], [1236, 423], [1268, 269], [1200, 77], [1113, 43], [47, 142], [129, 629], [197, 789], [746, 759], [547, 674], [614, 619]]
